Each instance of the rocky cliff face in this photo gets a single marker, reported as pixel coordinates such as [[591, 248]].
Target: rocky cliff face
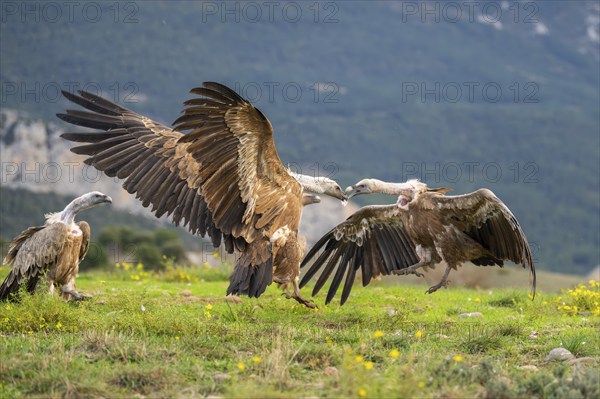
[[33, 156], [36, 158]]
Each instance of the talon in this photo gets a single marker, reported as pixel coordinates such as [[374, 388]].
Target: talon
[[79, 297], [433, 289], [306, 302]]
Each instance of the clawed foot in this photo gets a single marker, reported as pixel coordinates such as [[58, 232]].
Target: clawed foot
[[80, 297], [442, 283], [411, 270], [404, 272], [436, 287], [306, 302], [76, 296]]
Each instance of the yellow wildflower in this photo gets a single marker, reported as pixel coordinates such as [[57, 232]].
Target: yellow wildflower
[[368, 365], [458, 358], [257, 359], [241, 366], [58, 325], [209, 306], [362, 392], [378, 334], [358, 358], [394, 354], [419, 334]]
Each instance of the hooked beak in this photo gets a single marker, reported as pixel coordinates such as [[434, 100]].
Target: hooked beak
[[353, 191], [107, 199], [342, 196]]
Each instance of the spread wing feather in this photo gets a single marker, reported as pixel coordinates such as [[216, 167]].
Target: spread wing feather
[[242, 178], [485, 218], [156, 168], [373, 239], [224, 178]]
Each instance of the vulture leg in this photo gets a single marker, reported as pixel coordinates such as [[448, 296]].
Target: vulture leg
[[68, 291], [413, 269], [296, 295], [442, 283]]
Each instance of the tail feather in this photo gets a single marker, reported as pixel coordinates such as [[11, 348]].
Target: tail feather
[[251, 280]]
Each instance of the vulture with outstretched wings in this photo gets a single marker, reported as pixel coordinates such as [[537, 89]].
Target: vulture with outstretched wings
[[53, 251], [423, 228], [223, 178]]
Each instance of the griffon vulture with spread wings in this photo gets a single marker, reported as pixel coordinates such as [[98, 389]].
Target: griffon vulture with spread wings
[[223, 178], [423, 228]]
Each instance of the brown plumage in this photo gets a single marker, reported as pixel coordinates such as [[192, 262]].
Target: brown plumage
[[53, 251], [223, 179], [423, 228]]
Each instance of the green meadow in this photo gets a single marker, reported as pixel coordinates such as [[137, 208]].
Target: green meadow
[[174, 334]]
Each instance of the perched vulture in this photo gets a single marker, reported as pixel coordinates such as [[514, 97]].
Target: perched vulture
[[53, 250], [423, 228], [223, 179]]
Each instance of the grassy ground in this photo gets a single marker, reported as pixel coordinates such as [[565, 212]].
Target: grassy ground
[[143, 335]]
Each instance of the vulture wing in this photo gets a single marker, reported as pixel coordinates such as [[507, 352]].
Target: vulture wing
[[85, 240], [31, 254], [483, 217], [156, 168], [245, 185], [373, 239], [224, 178]]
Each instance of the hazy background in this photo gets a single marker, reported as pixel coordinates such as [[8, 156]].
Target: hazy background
[[496, 94]]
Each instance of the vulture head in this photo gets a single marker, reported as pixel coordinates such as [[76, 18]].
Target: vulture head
[[365, 186], [90, 200], [409, 189], [319, 185], [331, 188], [309, 199]]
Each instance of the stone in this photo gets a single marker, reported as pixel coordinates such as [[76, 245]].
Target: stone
[[331, 371], [472, 314], [559, 354]]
